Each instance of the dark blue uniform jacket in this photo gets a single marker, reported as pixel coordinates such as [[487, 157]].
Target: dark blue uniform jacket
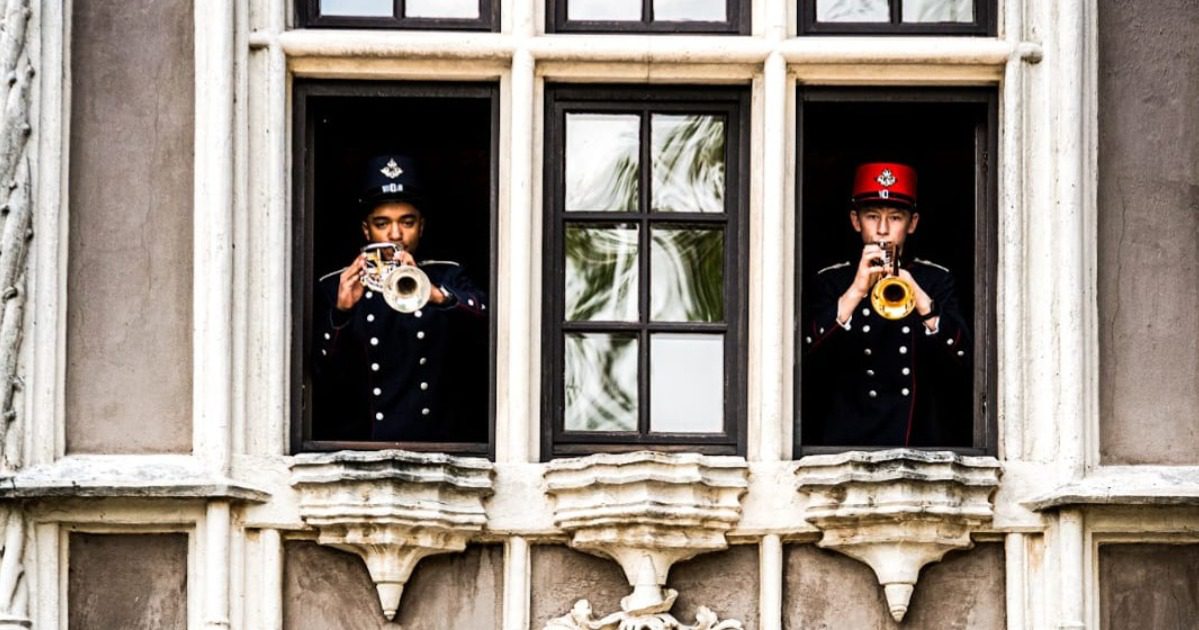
[[387, 376], [886, 382]]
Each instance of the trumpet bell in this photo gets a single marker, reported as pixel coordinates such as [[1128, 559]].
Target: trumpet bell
[[893, 298], [406, 289]]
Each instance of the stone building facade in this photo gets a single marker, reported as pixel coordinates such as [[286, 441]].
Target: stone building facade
[[152, 475]]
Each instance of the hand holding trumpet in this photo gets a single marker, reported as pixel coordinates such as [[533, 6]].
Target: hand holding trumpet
[[893, 290]]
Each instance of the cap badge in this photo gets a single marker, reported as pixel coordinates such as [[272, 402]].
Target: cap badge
[[392, 170], [886, 178]]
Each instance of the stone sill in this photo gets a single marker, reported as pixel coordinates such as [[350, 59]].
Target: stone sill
[[1125, 485], [140, 477]]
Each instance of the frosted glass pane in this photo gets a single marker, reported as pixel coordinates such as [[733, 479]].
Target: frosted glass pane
[[602, 162], [687, 275], [367, 8], [938, 11], [686, 383], [606, 10], [689, 11], [853, 11], [463, 9], [688, 163], [601, 382], [601, 274]]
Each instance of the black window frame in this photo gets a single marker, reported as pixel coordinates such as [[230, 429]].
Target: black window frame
[[734, 103], [985, 23], [303, 217], [736, 11], [985, 430], [308, 15]]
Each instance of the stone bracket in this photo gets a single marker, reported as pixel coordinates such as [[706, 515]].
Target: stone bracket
[[392, 508], [647, 511], [898, 510]]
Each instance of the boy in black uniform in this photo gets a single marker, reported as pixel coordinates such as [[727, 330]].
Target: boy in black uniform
[[885, 382], [388, 370]]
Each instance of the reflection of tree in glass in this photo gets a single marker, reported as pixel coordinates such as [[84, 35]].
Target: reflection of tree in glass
[[688, 163], [852, 11], [601, 274], [687, 275], [602, 162], [601, 382], [938, 10]]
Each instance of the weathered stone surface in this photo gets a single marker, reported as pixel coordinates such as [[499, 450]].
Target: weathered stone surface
[[1125, 485], [111, 477], [392, 508], [1148, 586], [128, 581], [129, 276], [647, 511], [326, 588], [898, 510], [829, 591]]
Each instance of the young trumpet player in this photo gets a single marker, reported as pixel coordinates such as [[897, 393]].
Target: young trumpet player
[[390, 365], [884, 331]]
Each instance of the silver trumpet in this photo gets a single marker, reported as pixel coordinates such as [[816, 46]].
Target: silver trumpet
[[405, 288]]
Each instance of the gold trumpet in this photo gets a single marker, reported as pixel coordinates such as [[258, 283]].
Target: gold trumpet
[[892, 296], [405, 288]]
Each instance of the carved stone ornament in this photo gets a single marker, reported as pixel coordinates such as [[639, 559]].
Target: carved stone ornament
[[392, 508], [646, 511], [898, 510]]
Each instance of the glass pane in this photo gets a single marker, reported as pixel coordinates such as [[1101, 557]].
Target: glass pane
[[463, 9], [601, 382], [370, 8], [688, 154], [687, 275], [938, 11], [619, 10], [686, 383], [853, 11], [602, 161], [689, 11], [601, 274]]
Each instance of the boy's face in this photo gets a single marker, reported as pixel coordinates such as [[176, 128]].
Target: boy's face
[[884, 223], [394, 222]]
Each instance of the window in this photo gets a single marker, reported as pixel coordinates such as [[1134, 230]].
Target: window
[[472, 15], [356, 387], [654, 16], [938, 384], [899, 17], [645, 269]]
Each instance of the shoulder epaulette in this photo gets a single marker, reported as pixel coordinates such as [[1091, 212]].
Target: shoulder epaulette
[[832, 267], [931, 264], [438, 262], [331, 274]]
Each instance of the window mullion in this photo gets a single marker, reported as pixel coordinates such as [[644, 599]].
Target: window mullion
[[643, 280]]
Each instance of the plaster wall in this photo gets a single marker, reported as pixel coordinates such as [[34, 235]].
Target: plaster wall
[[129, 282], [1148, 198], [327, 588], [128, 581], [1148, 586], [827, 590]]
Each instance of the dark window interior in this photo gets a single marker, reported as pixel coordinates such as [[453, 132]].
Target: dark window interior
[[449, 130], [948, 137]]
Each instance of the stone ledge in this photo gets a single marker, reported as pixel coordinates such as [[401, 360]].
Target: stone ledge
[[1125, 485], [126, 476]]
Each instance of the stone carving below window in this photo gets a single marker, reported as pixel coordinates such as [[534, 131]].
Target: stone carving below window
[[898, 510], [646, 511], [392, 508]]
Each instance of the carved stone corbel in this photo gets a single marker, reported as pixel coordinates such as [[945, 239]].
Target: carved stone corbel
[[646, 511], [898, 510], [392, 508]]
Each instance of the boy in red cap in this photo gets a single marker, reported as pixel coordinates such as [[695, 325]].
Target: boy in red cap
[[888, 378]]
